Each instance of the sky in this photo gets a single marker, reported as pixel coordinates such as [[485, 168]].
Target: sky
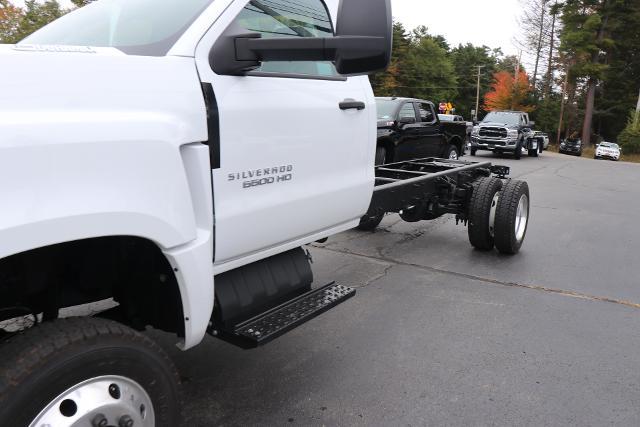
[[481, 22], [489, 22]]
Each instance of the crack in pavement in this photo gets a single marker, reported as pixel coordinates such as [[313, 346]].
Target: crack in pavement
[[562, 292], [376, 278]]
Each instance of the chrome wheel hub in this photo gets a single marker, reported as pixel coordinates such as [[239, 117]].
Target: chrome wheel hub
[[522, 217], [99, 402], [453, 155], [492, 214]]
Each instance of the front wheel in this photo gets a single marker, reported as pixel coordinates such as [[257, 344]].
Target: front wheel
[[512, 217], [452, 153], [370, 222], [517, 154], [381, 155], [86, 371]]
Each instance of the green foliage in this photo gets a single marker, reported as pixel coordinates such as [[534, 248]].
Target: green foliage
[[24, 21], [546, 116], [80, 3], [10, 18], [420, 67], [466, 59], [629, 138]]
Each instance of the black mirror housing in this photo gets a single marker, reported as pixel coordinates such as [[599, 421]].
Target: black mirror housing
[[374, 54], [359, 47]]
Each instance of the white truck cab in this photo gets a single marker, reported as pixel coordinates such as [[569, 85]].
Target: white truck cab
[[149, 146], [171, 158]]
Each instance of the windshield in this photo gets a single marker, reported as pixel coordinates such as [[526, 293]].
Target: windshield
[[137, 27], [502, 117], [608, 145], [386, 109]]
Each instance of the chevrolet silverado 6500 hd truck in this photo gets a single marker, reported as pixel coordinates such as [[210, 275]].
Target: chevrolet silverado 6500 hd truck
[[173, 156]]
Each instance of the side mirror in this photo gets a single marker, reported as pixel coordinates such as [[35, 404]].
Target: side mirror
[[363, 46], [407, 120], [360, 46]]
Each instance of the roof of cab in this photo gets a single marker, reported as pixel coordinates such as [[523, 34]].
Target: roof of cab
[[401, 99]]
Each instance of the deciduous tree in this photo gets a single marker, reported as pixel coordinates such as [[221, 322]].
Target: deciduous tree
[[10, 18], [508, 93]]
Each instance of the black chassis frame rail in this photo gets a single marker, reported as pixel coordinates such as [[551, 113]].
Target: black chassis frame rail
[[428, 187]]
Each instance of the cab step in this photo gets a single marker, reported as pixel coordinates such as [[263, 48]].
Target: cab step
[[269, 325]]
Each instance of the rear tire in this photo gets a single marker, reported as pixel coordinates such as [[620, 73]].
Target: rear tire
[[370, 223], [68, 370], [472, 151], [512, 217], [480, 205]]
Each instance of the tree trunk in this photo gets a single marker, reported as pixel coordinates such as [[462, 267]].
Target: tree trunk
[[547, 83], [588, 111], [592, 83], [539, 48]]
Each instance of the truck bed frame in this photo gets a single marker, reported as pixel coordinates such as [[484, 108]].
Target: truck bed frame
[[428, 188]]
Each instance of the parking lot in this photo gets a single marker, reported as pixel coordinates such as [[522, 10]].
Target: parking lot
[[441, 334]]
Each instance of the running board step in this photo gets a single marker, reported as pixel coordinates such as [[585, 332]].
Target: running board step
[[269, 325]]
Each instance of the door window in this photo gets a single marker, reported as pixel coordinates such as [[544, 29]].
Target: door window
[[283, 18], [426, 113], [407, 113]]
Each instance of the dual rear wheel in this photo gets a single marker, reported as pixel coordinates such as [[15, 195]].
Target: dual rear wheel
[[499, 215]]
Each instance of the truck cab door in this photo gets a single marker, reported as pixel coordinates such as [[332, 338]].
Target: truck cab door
[[409, 141], [296, 145], [433, 139]]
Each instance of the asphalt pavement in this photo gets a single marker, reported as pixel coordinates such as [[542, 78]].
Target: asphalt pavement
[[441, 334]]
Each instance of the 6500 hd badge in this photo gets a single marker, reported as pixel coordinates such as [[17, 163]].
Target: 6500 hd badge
[[258, 177]]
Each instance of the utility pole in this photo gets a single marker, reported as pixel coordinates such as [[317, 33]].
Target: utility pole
[[480, 67], [516, 86]]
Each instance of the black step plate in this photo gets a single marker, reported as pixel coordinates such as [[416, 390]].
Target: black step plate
[[271, 324]]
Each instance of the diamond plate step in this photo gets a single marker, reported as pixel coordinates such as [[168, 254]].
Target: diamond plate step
[[271, 324]]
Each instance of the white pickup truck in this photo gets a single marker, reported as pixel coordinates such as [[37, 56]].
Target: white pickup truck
[[173, 157]]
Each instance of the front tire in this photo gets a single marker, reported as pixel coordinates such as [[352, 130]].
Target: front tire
[[483, 202], [370, 223], [70, 371], [512, 217], [472, 151], [517, 154], [381, 156], [452, 153]]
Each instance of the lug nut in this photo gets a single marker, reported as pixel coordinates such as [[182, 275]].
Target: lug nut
[[125, 421], [99, 421]]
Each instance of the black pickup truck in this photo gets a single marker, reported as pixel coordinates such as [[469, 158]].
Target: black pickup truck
[[410, 129]]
